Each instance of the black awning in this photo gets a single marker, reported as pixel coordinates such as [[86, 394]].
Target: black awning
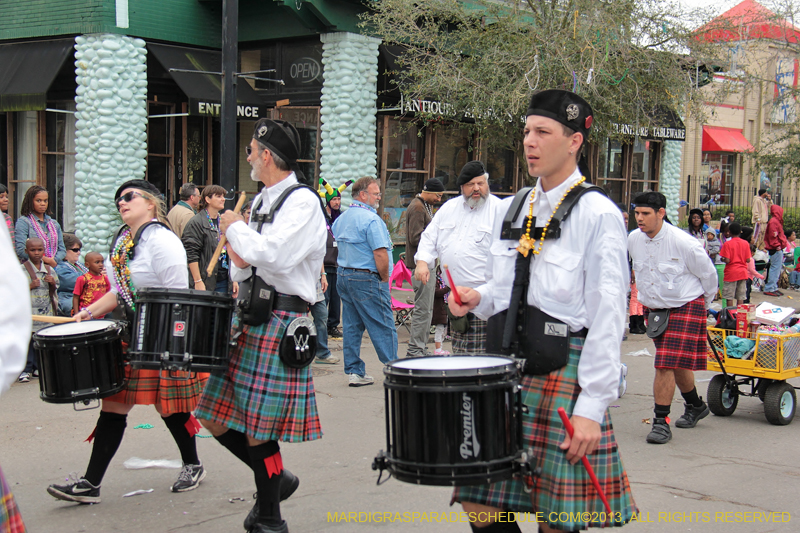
[[205, 90], [28, 70]]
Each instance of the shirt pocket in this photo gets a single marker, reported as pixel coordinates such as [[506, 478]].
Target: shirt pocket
[[483, 236], [562, 277], [668, 273]]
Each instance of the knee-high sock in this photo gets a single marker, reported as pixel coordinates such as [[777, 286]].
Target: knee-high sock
[[176, 423], [265, 460], [236, 442], [107, 437]]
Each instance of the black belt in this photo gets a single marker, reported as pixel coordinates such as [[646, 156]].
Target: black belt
[[366, 270], [285, 302]]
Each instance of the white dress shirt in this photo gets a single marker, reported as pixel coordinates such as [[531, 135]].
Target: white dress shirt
[[460, 237], [159, 261], [15, 314], [288, 253], [581, 279], [671, 269]]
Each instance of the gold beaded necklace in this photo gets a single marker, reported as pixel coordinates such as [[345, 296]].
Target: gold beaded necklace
[[528, 244]]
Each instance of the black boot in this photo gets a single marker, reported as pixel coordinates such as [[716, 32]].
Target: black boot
[[637, 326]]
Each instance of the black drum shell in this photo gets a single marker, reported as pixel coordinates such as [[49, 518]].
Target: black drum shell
[[181, 321], [73, 363], [430, 415]]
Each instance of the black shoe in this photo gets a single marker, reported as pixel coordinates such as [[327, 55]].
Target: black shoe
[[263, 528], [80, 491], [334, 333], [692, 415], [660, 434], [289, 484]]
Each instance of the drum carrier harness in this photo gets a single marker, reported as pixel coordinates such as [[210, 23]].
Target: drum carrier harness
[[257, 299], [537, 338]]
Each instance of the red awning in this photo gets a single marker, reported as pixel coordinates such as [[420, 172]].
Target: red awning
[[716, 139]]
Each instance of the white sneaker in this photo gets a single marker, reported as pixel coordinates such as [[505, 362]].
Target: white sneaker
[[360, 381]]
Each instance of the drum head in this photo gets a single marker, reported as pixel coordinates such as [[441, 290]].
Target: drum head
[[76, 328], [451, 366]]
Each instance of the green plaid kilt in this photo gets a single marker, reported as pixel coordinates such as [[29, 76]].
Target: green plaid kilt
[[10, 519], [474, 341], [258, 395], [562, 487]]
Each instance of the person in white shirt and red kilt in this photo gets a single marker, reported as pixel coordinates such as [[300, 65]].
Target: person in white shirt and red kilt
[[260, 400], [576, 284], [677, 281], [146, 253]]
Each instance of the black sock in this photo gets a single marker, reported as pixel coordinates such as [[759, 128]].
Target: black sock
[[692, 398], [107, 436], [661, 411], [236, 442], [269, 494], [497, 527], [176, 423]]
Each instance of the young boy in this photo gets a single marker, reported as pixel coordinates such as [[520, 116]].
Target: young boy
[[735, 253], [43, 285], [91, 286]]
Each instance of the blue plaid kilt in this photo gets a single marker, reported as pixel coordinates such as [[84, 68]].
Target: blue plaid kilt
[[474, 341], [562, 487], [258, 395]]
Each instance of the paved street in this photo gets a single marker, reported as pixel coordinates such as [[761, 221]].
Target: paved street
[[697, 482]]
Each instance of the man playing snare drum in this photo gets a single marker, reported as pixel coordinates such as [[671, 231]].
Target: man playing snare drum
[[260, 400], [575, 292]]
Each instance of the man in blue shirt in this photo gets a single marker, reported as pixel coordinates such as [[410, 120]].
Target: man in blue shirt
[[362, 280]]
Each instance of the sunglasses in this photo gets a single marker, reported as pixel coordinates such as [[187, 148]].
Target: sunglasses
[[75, 249], [128, 198], [248, 150]]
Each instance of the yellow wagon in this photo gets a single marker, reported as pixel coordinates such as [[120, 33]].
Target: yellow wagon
[[761, 372]]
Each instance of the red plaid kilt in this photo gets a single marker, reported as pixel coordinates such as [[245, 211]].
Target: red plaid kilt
[[562, 487], [683, 344], [146, 387], [10, 518], [259, 395], [474, 341]]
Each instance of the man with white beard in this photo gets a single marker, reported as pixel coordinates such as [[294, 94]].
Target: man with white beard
[[460, 235]]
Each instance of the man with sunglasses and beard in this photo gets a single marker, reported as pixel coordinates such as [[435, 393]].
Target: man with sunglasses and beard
[[260, 400]]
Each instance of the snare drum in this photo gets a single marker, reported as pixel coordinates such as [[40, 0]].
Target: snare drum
[[79, 361], [181, 330], [453, 420]]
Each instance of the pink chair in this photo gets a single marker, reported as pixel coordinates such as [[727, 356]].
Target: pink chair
[[403, 311]]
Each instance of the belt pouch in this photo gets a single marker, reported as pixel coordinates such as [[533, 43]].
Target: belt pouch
[[257, 299], [543, 342], [657, 323]]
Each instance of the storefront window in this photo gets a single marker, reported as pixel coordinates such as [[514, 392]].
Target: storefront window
[[717, 173], [159, 146], [644, 170], [405, 169], [453, 151], [500, 165], [609, 171], [197, 160], [59, 159]]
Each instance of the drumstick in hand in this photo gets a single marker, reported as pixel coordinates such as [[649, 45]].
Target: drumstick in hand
[[456, 297], [570, 430], [52, 319], [223, 239]]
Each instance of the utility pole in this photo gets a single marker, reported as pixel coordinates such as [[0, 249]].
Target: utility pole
[[230, 53]]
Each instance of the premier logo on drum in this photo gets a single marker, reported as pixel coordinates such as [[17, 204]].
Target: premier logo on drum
[[470, 447], [178, 328]]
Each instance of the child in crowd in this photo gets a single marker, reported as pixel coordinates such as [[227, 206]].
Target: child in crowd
[[43, 285], [791, 244], [735, 253], [439, 316], [712, 244], [246, 212], [91, 286]]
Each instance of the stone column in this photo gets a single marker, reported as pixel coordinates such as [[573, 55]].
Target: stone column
[[349, 110], [111, 130], [670, 180]]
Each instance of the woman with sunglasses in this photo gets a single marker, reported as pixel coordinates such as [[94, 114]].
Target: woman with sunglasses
[[143, 255], [35, 223], [69, 270]]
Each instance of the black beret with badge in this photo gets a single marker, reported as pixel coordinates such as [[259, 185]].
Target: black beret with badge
[[141, 185], [565, 107], [471, 170], [280, 137]]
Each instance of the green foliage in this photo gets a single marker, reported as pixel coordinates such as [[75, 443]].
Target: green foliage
[[625, 57]]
